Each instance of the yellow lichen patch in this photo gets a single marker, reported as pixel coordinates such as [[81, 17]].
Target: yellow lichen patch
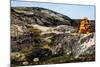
[[46, 46], [85, 26], [34, 30]]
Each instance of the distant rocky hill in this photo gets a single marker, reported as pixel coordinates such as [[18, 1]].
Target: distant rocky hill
[[39, 16], [39, 35], [42, 16]]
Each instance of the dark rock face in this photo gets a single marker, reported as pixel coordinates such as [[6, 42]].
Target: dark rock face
[[40, 53], [39, 16], [39, 35]]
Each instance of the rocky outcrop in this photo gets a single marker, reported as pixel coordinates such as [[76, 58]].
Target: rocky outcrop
[[38, 35], [39, 16]]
